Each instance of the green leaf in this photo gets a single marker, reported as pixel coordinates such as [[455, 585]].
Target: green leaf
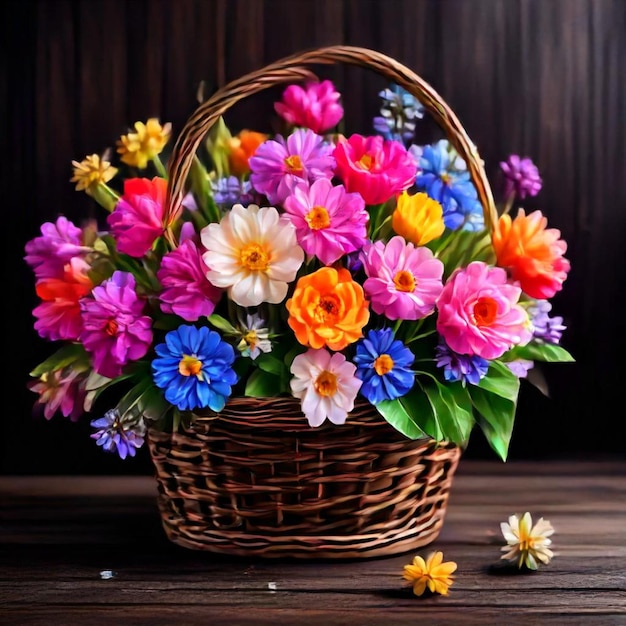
[[222, 324], [69, 354], [262, 384], [402, 417], [501, 381], [271, 364], [538, 350]]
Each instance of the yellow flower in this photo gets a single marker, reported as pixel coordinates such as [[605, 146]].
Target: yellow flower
[[91, 172], [137, 148], [527, 543], [417, 218], [432, 573]]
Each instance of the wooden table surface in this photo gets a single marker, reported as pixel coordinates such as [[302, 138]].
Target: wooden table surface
[[91, 550]]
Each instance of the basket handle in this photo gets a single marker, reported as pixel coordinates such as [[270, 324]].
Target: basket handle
[[292, 69]]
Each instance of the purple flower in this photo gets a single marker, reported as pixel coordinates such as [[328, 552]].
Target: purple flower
[[114, 329], [520, 367], [549, 329], [231, 190], [466, 368], [119, 434], [522, 176]]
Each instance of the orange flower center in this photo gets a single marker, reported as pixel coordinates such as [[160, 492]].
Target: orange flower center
[[111, 328], [327, 309], [294, 165], [190, 366], [367, 162], [326, 384], [446, 179], [254, 257], [485, 311], [383, 364], [318, 218], [404, 281]]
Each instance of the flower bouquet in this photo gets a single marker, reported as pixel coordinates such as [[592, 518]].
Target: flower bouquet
[[335, 312]]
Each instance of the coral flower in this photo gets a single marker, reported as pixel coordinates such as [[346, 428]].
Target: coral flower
[[328, 308], [315, 106], [143, 145], [418, 218], [137, 220], [432, 573], [374, 167], [252, 252], [532, 253], [479, 312], [240, 148]]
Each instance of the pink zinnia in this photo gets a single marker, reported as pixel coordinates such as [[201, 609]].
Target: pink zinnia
[[316, 106], [376, 168], [137, 220], [403, 281], [114, 329], [329, 221], [186, 290], [279, 165], [479, 312], [61, 390]]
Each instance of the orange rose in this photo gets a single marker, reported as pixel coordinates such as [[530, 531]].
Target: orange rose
[[328, 308], [241, 148]]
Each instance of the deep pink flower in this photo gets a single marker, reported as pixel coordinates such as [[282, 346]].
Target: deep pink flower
[[279, 165], [479, 312], [61, 390], [137, 220], [376, 168], [114, 329], [186, 289], [403, 281], [316, 106], [329, 221]]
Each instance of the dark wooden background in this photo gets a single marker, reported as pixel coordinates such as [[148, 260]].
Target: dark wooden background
[[541, 78]]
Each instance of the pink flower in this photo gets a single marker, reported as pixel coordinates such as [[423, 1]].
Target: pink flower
[[315, 107], [278, 165], [61, 390], [114, 329], [479, 312], [186, 290], [403, 281], [329, 222], [137, 220], [378, 169]]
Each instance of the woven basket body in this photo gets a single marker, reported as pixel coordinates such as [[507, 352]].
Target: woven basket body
[[258, 481]]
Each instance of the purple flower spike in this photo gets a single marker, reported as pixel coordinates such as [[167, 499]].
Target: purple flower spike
[[522, 176]]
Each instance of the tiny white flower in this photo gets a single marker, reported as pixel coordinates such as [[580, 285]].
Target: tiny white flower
[[254, 337], [526, 543]]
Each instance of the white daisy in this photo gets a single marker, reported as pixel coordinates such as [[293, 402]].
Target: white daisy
[[527, 543]]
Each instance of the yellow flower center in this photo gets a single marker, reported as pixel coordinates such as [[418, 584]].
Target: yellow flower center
[[294, 165], [326, 384], [404, 281], [318, 218], [327, 309], [446, 179], [485, 311], [254, 258], [367, 162], [251, 338], [383, 364], [110, 328], [190, 365]]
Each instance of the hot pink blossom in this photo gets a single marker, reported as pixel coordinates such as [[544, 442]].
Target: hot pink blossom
[[316, 106], [376, 168], [61, 390], [479, 312]]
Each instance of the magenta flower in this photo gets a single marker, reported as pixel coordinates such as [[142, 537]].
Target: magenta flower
[[316, 106], [522, 176], [114, 329], [479, 312], [376, 168], [137, 220], [61, 390], [279, 165], [403, 281], [186, 290], [329, 221], [59, 243]]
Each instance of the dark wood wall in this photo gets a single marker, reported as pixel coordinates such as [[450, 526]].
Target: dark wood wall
[[541, 78]]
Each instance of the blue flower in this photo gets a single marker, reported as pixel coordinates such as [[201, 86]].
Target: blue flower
[[466, 368], [444, 177], [230, 190], [194, 368], [398, 114], [123, 435], [384, 365]]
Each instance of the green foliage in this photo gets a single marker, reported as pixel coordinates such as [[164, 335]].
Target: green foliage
[[538, 350]]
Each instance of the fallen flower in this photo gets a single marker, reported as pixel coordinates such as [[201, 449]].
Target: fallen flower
[[432, 573], [526, 543]]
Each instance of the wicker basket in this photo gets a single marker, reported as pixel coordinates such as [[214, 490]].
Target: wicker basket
[[255, 480]]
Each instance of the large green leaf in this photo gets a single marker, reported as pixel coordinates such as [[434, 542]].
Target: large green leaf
[[269, 363], [262, 384], [538, 350], [69, 354], [402, 415], [501, 381]]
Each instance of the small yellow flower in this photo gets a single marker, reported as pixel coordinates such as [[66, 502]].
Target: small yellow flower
[[137, 148], [91, 172], [417, 218], [432, 573], [526, 543]]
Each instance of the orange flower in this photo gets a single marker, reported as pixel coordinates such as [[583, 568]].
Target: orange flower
[[532, 253], [241, 148], [328, 309], [418, 218]]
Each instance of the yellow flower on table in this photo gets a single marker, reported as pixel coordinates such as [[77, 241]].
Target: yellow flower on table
[[91, 172], [145, 144], [432, 573]]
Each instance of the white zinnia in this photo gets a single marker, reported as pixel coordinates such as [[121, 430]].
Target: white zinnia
[[326, 385], [252, 252], [527, 543]]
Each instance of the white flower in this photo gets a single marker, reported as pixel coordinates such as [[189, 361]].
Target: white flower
[[326, 385], [527, 543], [253, 252], [254, 337]]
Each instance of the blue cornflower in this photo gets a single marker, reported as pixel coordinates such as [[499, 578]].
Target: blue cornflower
[[549, 329], [230, 190], [466, 368], [444, 177], [194, 368], [121, 434], [384, 365], [398, 113]]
